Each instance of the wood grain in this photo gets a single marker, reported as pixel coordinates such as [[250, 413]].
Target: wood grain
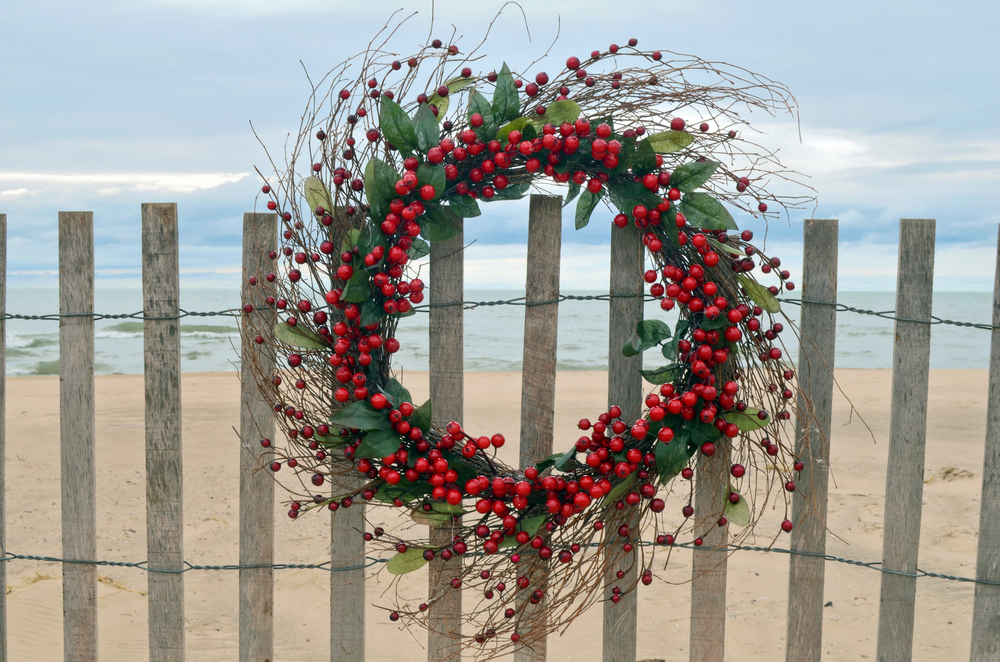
[[347, 587], [818, 329], [624, 390], [447, 388], [256, 422], [164, 467], [77, 436], [986, 611], [538, 372], [907, 439], [3, 435]]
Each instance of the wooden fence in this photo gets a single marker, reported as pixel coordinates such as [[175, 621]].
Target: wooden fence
[[164, 492]]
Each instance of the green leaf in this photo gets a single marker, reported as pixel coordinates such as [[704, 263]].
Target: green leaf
[[747, 421], [419, 249], [408, 561], [316, 194], [690, 176], [626, 195], [479, 104], [445, 507], [430, 518], [626, 156], [296, 337], [669, 141], [574, 190], [738, 513], [396, 392], [725, 248], [378, 444], [351, 238], [380, 186], [558, 112], [442, 103], [644, 161], [760, 294], [425, 125], [561, 461], [371, 312], [357, 288], [648, 333], [512, 192], [662, 375], [529, 525], [704, 211], [361, 416], [421, 418], [440, 224], [701, 433], [369, 237], [516, 125], [397, 127], [671, 458], [670, 349], [506, 106], [585, 207], [464, 206], [428, 173], [620, 489]]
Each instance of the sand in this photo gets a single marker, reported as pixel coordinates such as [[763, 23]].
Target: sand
[[758, 587]]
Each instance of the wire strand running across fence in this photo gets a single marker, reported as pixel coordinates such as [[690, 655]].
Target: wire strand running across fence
[[517, 301], [371, 561]]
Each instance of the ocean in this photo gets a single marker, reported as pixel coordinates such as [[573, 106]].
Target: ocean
[[493, 335]]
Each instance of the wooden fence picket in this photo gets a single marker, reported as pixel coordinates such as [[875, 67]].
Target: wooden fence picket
[[818, 328], [447, 389], [77, 435], [164, 467], [3, 434], [986, 611], [538, 367], [907, 438], [624, 390], [257, 506]]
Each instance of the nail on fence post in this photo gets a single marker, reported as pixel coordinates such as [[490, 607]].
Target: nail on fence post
[[76, 432], [164, 466], [818, 330], [907, 439], [256, 422]]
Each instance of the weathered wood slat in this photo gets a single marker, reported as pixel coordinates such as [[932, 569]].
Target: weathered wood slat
[[538, 371], [76, 432], [3, 434], [347, 587], [256, 423], [986, 612], [709, 565], [164, 467], [447, 388], [907, 438], [624, 390], [818, 328]]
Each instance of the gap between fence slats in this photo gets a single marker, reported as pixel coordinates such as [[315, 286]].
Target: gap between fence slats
[[76, 433], [256, 422], [907, 439], [818, 330]]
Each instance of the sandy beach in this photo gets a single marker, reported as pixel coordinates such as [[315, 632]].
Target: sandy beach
[[758, 588]]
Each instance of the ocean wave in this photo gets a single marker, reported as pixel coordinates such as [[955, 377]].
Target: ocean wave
[[31, 341]]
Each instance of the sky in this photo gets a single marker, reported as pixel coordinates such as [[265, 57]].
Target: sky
[[108, 104]]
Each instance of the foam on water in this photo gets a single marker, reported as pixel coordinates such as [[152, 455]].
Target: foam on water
[[493, 335]]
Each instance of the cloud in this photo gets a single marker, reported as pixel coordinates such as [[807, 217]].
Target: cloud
[[112, 183]]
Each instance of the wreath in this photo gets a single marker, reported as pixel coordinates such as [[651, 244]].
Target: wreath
[[393, 163]]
